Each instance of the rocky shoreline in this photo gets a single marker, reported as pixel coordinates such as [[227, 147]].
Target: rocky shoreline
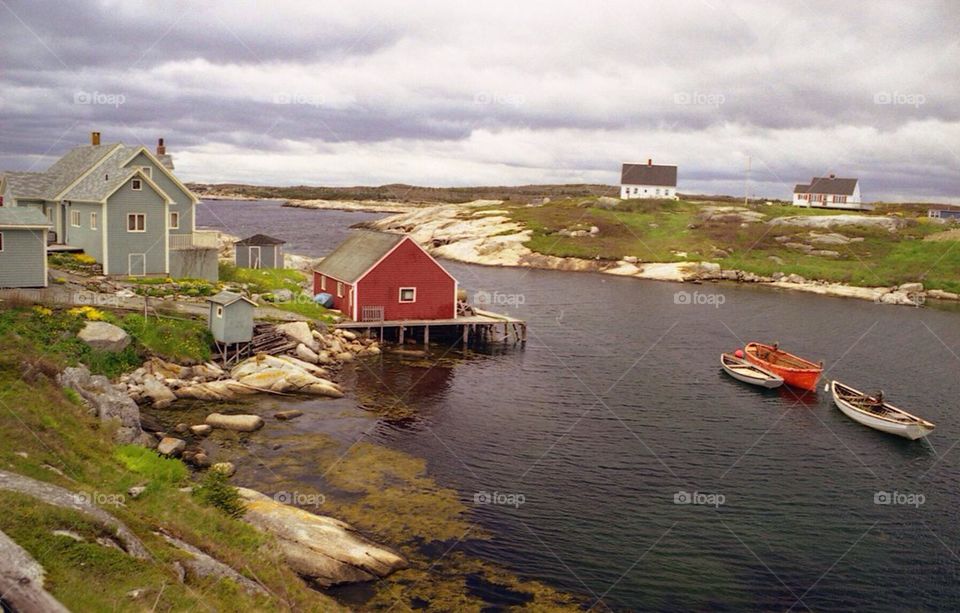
[[367, 206], [473, 233]]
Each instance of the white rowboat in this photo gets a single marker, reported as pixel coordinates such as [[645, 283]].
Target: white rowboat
[[878, 415], [742, 370]]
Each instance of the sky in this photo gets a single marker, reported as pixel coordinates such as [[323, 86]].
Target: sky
[[496, 93]]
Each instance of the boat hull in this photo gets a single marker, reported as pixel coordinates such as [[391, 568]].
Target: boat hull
[[800, 378], [768, 379], [912, 431]]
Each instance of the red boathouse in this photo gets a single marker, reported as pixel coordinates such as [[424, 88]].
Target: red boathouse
[[376, 276]]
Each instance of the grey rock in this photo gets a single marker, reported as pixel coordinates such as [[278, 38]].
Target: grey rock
[[104, 336], [172, 447], [107, 401]]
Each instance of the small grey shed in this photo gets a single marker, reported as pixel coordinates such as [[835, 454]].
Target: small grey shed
[[259, 251], [23, 247], [231, 318]]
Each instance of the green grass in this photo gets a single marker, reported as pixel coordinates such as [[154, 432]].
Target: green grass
[[659, 231], [178, 340], [40, 428], [266, 281], [150, 465]]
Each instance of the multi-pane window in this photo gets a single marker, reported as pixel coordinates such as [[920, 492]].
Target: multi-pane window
[[136, 222]]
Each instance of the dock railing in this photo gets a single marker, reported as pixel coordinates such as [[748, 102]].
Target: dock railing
[[203, 239]]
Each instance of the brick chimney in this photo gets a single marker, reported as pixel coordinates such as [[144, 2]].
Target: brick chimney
[[94, 138], [649, 161], [161, 148]]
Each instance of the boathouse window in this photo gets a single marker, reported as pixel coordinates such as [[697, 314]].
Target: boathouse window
[[219, 311], [323, 283], [136, 185], [408, 294], [136, 222], [339, 289]]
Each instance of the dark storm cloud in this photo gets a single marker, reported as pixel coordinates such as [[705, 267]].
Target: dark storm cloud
[[558, 88]]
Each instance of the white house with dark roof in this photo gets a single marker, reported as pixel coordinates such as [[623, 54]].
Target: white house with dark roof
[[121, 205], [830, 192], [648, 181]]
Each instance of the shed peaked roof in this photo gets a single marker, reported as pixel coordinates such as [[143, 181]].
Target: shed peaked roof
[[356, 255], [261, 239], [828, 185], [648, 174], [227, 298]]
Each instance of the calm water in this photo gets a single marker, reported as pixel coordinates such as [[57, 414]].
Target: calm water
[[617, 407]]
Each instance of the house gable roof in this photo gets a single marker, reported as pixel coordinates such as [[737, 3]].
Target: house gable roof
[[648, 174], [226, 298], [135, 151], [22, 216], [828, 185], [260, 239], [358, 254]]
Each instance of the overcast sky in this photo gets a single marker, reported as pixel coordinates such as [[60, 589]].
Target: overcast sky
[[495, 93]]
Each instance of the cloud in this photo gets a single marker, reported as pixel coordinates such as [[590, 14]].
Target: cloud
[[497, 92]]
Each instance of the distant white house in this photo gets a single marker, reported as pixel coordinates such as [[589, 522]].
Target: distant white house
[[648, 181], [948, 212], [830, 192]]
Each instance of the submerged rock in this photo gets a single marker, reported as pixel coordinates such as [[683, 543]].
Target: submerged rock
[[323, 549], [238, 423]]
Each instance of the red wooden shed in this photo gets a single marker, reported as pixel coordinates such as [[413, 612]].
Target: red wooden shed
[[376, 276]]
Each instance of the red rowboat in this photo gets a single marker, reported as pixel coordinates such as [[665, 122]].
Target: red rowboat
[[795, 371]]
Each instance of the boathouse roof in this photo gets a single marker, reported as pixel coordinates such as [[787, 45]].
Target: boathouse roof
[[356, 255]]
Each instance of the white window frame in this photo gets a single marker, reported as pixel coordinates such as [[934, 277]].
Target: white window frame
[[136, 185], [94, 221], [323, 283], [220, 311], [147, 170], [144, 226], [174, 215], [405, 289], [1, 242], [339, 289], [75, 219]]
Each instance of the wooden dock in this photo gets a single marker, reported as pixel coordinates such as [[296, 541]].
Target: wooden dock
[[477, 328]]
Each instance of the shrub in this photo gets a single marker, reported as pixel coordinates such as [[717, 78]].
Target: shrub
[[216, 491]]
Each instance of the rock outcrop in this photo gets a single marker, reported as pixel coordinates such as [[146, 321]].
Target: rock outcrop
[[21, 581], [108, 402], [202, 565], [75, 501], [324, 550], [891, 224]]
